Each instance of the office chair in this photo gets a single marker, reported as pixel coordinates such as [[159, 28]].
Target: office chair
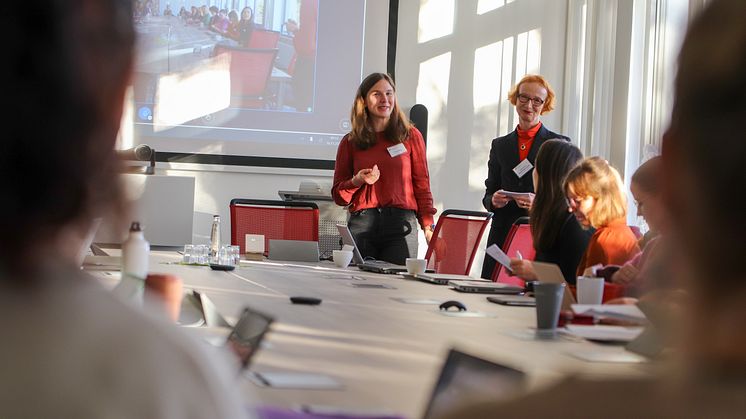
[[283, 220], [519, 239], [263, 39], [455, 241]]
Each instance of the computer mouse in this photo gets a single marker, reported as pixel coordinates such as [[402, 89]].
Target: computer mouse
[[453, 303]]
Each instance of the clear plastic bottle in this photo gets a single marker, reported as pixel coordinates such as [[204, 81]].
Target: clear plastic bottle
[[135, 252], [215, 239]]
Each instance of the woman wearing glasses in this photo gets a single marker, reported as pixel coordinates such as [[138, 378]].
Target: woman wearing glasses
[[512, 159]]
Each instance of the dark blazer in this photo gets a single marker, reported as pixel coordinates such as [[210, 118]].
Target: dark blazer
[[503, 158]]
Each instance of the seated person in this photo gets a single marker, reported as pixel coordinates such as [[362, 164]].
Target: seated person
[[644, 272], [557, 235], [709, 378], [595, 195], [71, 348]]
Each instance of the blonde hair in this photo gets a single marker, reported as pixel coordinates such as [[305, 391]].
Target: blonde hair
[[596, 178], [362, 135], [534, 78]]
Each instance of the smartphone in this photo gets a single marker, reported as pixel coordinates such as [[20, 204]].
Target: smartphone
[[513, 300]]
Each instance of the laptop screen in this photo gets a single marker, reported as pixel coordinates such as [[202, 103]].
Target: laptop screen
[[466, 377], [347, 239]]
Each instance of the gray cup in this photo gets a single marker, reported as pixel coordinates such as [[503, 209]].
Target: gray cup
[[548, 304]]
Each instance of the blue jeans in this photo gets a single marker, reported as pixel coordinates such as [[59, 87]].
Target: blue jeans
[[388, 234]]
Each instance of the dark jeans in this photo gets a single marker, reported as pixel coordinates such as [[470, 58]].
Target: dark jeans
[[388, 234]]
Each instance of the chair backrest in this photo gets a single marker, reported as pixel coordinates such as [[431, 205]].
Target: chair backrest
[[263, 39], [284, 220], [251, 70], [455, 241], [519, 239]]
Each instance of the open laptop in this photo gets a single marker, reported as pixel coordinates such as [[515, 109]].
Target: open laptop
[[464, 378], [293, 250], [377, 266], [550, 272]]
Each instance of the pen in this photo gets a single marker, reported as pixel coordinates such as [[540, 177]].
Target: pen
[[518, 255]]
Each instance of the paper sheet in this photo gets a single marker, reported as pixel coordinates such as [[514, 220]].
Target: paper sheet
[[496, 253]]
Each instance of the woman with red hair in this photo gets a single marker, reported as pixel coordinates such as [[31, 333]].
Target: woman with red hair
[[512, 159]]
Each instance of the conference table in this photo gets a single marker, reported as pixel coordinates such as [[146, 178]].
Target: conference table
[[385, 353]]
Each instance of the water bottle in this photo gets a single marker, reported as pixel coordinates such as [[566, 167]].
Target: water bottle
[[135, 252], [215, 239]]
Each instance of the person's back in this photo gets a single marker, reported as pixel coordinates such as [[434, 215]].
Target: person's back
[[72, 350]]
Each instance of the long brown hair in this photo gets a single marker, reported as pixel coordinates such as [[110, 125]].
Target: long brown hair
[[362, 134], [555, 160]]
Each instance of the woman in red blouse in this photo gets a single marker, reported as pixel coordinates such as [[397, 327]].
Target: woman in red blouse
[[381, 175]]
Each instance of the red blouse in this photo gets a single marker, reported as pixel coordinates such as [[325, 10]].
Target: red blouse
[[525, 140], [404, 181]]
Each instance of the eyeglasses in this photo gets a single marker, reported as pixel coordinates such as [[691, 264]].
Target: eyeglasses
[[536, 101], [574, 202]]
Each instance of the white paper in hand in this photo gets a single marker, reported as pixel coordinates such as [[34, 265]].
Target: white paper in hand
[[496, 253]]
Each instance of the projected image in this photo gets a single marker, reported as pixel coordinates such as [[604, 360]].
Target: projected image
[[214, 73]]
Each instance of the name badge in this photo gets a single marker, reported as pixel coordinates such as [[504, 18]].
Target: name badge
[[523, 167], [396, 150]]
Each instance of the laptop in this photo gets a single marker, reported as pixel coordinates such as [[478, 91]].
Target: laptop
[[377, 266], [247, 335], [486, 287], [438, 279], [550, 272], [466, 377], [294, 250]]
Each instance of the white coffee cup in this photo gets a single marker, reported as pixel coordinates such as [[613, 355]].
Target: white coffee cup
[[590, 290], [416, 266], [342, 258]]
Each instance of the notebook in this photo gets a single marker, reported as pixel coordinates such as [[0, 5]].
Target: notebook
[[466, 377]]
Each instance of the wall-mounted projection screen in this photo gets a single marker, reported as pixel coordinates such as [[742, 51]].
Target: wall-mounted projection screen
[[260, 82]]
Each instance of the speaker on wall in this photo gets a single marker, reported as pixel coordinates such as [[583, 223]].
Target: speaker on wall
[[418, 115]]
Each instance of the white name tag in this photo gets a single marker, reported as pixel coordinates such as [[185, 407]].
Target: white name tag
[[396, 150], [523, 167]]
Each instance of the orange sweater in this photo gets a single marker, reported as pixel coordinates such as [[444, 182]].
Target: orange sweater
[[612, 244]]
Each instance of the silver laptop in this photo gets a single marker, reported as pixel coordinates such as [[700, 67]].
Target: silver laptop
[[377, 266], [439, 279], [485, 287], [294, 250]]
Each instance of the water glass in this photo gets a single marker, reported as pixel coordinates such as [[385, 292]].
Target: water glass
[[188, 255], [201, 252], [236, 253]]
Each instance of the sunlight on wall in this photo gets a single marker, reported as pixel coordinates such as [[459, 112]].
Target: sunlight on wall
[[487, 61], [485, 6], [432, 91], [202, 91], [436, 19], [506, 109]]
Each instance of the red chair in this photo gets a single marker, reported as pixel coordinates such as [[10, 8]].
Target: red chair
[[519, 239], [284, 220], [263, 39], [455, 241], [251, 71]]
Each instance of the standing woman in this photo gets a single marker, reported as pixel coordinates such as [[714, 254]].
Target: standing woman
[[381, 175], [512, 159], [558, 237], [245, 26]]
